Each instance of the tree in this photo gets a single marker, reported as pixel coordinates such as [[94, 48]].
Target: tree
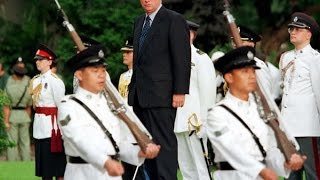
[[107, 21], [269, 18], [4, 140]]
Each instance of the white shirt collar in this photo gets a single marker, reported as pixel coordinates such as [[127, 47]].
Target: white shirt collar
[[87, 94], [303, 50], [153, 15], [46, 74], [130, 71], [240, 102]]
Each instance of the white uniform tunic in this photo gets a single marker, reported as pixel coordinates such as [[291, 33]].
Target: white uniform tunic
[[301, 93], [84, 138], [124, 81], [276, 80], [233, 143], [50, 95], [201, 97]]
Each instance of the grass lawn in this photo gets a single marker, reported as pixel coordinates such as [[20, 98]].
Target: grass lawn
[[25, 171], [17, 171]]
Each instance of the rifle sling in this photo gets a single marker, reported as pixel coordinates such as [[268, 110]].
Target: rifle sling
[[256, 139], [104, 129], [21, 97]]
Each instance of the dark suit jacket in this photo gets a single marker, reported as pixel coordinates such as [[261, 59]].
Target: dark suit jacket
[[162, 67]]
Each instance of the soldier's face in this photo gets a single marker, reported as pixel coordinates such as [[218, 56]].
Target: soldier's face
[[241, 81], [43, 65], [92, 78], [299, 35], [150, 6], [127, 57]]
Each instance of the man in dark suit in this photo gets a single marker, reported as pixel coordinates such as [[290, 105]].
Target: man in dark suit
[[161, 75]]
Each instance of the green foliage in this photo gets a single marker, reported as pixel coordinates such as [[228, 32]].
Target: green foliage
[[4, 141], [223, 48], [108, 21], [111, 21]]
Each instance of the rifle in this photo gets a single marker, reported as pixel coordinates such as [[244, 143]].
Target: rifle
[[265, 111], [115, 101]]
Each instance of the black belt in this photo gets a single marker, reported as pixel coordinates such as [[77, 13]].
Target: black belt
[[76, 160], [16, 108], [224, 166], [79, 160]]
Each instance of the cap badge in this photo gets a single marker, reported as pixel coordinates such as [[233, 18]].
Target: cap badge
[[295, 19], [127, 42], [250, 55], [94, 60], [100, 54]]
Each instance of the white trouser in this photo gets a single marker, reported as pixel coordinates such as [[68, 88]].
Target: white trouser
[[191, 160]]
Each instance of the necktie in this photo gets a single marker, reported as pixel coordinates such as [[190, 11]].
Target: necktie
[[144, 31]]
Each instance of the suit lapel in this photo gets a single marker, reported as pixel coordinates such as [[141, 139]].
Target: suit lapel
[[156, 22], [137, 34]]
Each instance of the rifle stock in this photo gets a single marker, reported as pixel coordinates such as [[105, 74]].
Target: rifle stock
[[110, 92], [284, 144], [121, 111], [286, 147]]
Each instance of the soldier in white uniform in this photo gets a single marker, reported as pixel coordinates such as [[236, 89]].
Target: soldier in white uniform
[[47, 90], [301, 93], [92, 134], [125, 78], [190, 122], [124, 81], [276, 81], [237, 153]]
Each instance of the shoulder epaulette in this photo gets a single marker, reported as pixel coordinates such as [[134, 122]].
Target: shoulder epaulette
[[30, 87], [36, 76], [200, 52], [54, 75], [315, 52]]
